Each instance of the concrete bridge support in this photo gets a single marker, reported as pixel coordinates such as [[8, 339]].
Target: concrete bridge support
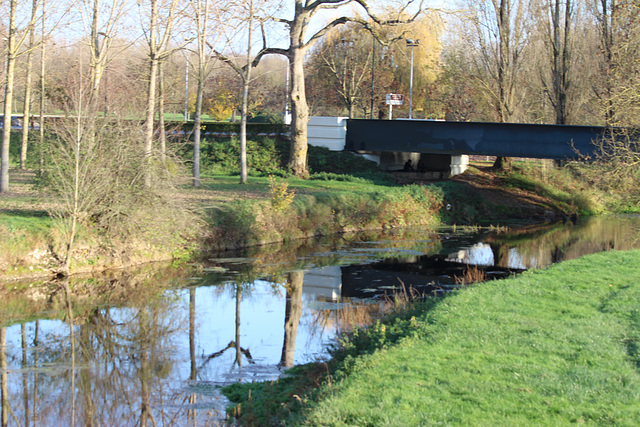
[[445, 165], [331, 132]]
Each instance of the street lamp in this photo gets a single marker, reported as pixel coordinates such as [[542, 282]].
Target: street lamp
[[411, 44]]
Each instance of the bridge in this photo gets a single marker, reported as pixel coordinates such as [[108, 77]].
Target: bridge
[[444, 147]]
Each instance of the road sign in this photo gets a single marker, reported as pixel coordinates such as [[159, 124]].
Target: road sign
[[395, 99]]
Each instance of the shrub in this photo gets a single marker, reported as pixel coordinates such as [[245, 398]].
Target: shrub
[[222, 155], [281, 196]]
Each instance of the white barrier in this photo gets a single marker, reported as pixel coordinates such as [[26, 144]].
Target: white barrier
[[327, 132]]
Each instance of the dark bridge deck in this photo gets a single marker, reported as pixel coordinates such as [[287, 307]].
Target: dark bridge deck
[[489, 139]]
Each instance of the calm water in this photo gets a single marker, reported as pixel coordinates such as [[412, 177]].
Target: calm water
[[151, 347]]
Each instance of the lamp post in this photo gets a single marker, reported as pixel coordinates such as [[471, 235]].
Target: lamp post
[[411, 44]]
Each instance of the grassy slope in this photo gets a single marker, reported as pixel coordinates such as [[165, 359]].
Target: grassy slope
[[550, 347]]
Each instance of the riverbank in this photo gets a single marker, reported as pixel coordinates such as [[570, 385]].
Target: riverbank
[[549, 347], [227, 215]]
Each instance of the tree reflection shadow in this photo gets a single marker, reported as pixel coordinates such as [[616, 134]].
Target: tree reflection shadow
[[293, 313], [110, 367], [235, 344]]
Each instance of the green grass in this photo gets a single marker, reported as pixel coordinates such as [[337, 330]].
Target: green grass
[[562, 186], [550, 347], [23, 229], [26, 220], [260, 185], [20, 233]]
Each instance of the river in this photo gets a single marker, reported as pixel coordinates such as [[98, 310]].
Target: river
[[152, 346]]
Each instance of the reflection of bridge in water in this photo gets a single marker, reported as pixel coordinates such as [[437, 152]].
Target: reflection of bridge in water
[[496, 254]]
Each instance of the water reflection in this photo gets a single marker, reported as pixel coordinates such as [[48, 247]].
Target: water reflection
[[292, 315], [541, 246], [154, 351]]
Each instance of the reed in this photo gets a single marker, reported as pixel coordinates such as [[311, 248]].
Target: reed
[[472, 274]]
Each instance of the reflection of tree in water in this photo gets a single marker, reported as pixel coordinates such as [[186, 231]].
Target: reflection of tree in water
[[4, 391], [137, 346], [293, 313], [540, 246], [293, 283], [108, 371], [240, 288]]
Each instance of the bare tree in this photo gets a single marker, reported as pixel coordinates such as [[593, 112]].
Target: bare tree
[[101, 25], [618, 154], [202, 11], [343, 61], [75, 168], [26, 110], [15, 41], [617, 26], [499, 35], [247, 13], [559, 35], [299, 44], [163, 16], [606, 14]]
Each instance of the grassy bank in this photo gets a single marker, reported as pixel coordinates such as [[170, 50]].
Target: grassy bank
[[294, 208], [550, 347], [344, 193]]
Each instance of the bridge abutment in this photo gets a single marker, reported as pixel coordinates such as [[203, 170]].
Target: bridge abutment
[[330, 132]]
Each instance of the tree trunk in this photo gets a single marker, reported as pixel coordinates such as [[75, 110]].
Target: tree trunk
[[26, 111], [43, 51], [300, 116], [161, 125], [506, 72], [238, 360], [243, 126], [86, 381], [560, 60], [75, 210], [25, 374], [503, 164], [8, 99], [96, 54], [151, 91], [150, 119], [197, 120], [193, 371], [246, 79]]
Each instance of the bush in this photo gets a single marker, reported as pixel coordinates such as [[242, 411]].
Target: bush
[[222, 155], [270, 118], [340, 163], [265, 127]]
